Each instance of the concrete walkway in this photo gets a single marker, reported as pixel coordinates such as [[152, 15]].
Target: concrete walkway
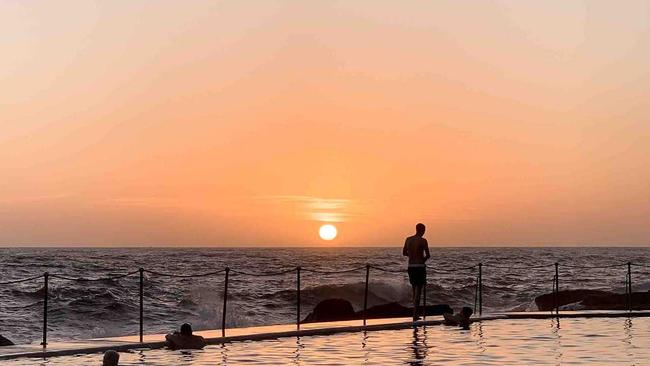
[[152, 341]]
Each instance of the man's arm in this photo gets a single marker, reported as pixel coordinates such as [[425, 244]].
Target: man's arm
[[405, 251], [201, 341], [427, 255], [169, 340]]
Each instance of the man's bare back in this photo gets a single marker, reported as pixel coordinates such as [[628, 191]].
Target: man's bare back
[[417, 250]]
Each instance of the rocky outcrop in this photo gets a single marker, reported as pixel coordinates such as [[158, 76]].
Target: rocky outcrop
[[5, 342], [340, 309], [331, 310], [390, 310], [396, 310], [546, 302], [581, 299]]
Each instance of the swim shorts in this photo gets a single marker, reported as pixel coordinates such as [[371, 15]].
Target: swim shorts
[[417, 276]]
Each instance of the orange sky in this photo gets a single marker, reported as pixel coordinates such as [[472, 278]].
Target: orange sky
[[252, 123]]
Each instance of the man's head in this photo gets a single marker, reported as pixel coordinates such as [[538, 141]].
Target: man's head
[[466, 311], [419, 229], [111, 358], [186, 329]]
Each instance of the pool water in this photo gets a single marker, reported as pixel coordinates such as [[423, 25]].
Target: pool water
[[578, 341]]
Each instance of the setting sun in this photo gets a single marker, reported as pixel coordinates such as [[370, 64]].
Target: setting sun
[[327, 232]]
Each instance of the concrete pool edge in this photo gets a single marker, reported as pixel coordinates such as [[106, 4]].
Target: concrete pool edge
[[312, 329]]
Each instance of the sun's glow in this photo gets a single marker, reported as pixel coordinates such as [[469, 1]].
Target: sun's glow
[[327, 232]]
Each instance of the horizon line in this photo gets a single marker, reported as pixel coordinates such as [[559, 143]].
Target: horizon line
[[307, 246]]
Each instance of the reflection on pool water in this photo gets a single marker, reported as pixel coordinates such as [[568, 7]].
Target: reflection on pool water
[[595, 341]]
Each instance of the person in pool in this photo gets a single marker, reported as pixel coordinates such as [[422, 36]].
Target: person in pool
[[111, 358], [184, 339], [461, 319], [416, 249]]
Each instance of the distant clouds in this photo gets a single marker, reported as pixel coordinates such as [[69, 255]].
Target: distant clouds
[[316, 208], [19, 199]]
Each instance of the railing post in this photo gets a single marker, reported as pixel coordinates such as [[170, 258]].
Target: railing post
[[365, 294], [557, 288], [475, 309], [298, 297], [141, 305], [225, 300], [46, 280], [554, 296], [629, 286], [480, 289]]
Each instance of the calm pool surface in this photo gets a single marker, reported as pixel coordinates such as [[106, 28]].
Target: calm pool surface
[[613, 341]]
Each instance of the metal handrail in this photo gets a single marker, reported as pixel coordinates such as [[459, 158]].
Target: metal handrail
[[478, 296]]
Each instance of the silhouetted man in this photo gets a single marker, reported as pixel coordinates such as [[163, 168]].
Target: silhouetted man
[[461, 319], [417, 249], [111, 358], [184, 339]]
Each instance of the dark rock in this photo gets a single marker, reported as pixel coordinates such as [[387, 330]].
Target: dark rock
[[594, 300], [546, 302], [5, 342], [390, 310], [331, 310], [40, 293], [439, 309], [396, 310], [339, 309]]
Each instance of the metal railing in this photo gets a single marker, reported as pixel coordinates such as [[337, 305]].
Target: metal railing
[[478, 295]]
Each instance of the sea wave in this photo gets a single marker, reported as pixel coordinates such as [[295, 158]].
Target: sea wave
[[81, 309]]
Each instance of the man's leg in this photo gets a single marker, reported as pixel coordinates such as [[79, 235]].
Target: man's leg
[[413, 287], [417, 291]]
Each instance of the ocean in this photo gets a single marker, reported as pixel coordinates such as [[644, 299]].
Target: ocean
[[512, 278]]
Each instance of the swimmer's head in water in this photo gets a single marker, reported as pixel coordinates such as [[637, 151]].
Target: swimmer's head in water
[[186, 329], [111, 358], [419, 229], [467, 311]]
